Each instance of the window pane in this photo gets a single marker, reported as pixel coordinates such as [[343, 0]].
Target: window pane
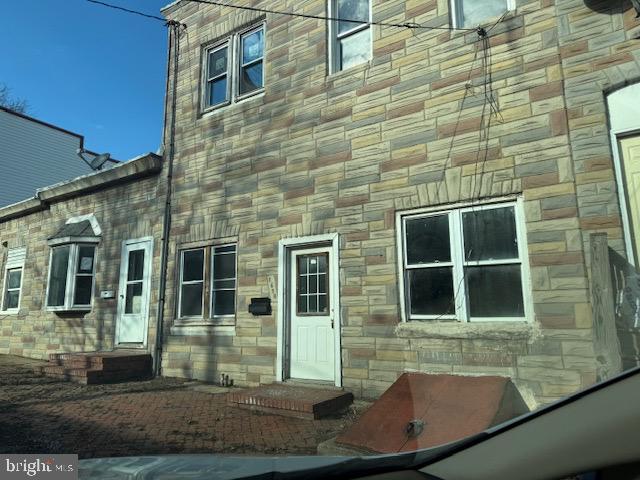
[[224, 302], [313, 303], [191, 300], [225, 248], [322, 283], [322, 303], [85, 259], [352, 10], [313, 264], [322, 263], [11, 299], [217, 284], [218, 91], [490, 234], [14, 277], [224, 266], [355, 49], [135, 269], [475, 12], [428, 240], [133, 302], [218, 62], [82, 295], [313, 283], [58, 276], [251, 78], [252, 46], [431, 291], [495, 291], [192, 265]]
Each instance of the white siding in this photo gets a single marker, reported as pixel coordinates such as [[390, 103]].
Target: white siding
[[32, 156]]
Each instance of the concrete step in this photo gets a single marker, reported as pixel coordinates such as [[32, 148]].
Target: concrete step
[[102, 361], [292, 401]]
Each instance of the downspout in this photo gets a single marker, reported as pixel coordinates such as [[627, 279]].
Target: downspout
[[174, 39]]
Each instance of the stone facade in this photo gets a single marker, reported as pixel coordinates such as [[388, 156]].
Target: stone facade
[[437, 118], [124, 211], [343, 152]]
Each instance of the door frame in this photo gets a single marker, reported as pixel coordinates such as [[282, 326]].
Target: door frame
[[122, 282], [623, 198], [283, 313]]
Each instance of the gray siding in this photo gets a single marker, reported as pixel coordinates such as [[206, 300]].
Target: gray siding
[[32, 156]]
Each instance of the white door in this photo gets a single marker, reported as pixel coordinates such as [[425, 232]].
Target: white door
[[311, 315], [630, 152], [133, 294]]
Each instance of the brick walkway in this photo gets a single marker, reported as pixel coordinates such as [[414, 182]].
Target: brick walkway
[[39, 415]]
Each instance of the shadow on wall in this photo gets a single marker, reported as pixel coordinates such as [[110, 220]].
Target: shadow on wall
[[608, 7]]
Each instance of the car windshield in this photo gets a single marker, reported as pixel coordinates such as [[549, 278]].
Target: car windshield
[[338, 228]]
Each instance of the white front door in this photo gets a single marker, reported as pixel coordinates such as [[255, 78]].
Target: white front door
[[311, 314], [133, 294]]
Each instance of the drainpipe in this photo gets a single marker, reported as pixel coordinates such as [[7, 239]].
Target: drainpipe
[[174, 39]]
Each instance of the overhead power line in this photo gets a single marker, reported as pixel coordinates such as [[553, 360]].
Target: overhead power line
[[128, 10], [409, 25]]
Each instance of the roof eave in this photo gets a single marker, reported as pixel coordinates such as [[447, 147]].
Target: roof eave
[[142, 166]]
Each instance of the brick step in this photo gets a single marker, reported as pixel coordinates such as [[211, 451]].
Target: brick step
[[102, 361], [97, 367], [110, 364], [293, 401], [89, 376]]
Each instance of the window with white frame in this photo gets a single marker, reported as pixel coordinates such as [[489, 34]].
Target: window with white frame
[[71, 276], [473, 13], [13, 273], [208, 273], [234, 68], [350, 41], [467, 264]]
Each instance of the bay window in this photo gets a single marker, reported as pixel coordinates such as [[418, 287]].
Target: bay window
[[466, 264], [71, 276]]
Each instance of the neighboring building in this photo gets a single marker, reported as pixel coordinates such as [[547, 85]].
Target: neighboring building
[[405, 199], [33, 154], [62, 249]]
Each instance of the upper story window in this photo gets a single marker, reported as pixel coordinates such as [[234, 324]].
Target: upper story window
[[467, 264], [234, 68], [472, 13], [13, 273], [350, 42], [208, 273]]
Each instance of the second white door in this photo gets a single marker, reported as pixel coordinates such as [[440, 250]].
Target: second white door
[[311, 315], [133, 295]]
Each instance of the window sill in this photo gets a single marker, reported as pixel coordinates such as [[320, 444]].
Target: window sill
[[228, 106], [203, 329], [204, 322], [68, 309], [12, 311], [353, 70], [468, 330]]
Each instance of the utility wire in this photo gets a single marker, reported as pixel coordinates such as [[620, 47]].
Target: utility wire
[[410, 25], [135, 12]]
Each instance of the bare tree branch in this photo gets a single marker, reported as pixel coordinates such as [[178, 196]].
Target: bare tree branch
[[6, 100]]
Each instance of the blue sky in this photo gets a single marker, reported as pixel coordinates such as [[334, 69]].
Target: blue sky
[[89, 69]]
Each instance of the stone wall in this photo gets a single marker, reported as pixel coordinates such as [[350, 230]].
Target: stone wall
[[131, 210], [320, 153]]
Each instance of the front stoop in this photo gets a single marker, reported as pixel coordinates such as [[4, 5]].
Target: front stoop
[[93, 368], [292, 401]]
